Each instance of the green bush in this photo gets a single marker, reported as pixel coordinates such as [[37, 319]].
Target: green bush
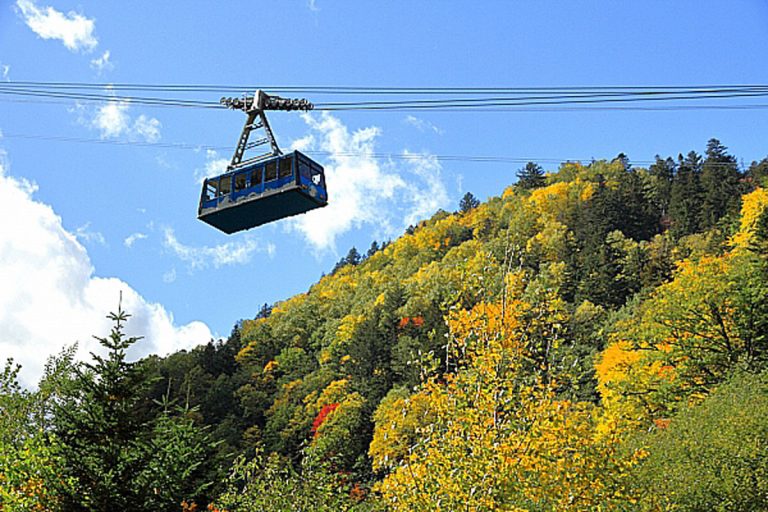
[[712, 456]]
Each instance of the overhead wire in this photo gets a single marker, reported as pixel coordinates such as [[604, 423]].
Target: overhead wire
[[370, 89], [439, 99], [414, 156], [501, 98]]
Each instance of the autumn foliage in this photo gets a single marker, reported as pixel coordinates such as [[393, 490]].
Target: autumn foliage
[[321, 416], [593, 338]]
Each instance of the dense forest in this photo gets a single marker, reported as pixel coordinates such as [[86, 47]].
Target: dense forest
[[595, 338]]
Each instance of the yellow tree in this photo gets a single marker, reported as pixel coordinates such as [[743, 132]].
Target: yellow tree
[[692, 331], [499, 438]]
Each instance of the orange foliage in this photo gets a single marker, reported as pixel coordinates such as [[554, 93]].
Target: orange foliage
[[416, 321]]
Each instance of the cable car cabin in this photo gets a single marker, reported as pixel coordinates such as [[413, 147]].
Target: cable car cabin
[[259, 192]]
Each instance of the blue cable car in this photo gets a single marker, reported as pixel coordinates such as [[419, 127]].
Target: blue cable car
[[263, 191], [267, 187]]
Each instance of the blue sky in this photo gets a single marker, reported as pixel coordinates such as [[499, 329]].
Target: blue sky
[[83, 221]]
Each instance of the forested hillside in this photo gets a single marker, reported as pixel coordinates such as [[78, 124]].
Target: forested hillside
[[595, 338]]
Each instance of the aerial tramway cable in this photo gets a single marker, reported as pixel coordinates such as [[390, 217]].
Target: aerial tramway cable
[[447, 99]]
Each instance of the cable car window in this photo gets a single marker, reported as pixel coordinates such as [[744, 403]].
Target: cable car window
[[240, 181], [225, 186], [271, 171], [317, 176], [211, 187], [304, 169], [256, 176], [285, 167]]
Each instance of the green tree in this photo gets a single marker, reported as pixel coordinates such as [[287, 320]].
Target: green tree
[[271, 483], [531, 176], [757, 173], [720, 185], [30, 456], [373, 249], [712, 456], [685, 196], [101, 433], [468, 202], [120, 459], [353, 257], [658, 189]]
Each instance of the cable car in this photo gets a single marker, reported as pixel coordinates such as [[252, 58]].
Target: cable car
[[263, 191], [265, 188]]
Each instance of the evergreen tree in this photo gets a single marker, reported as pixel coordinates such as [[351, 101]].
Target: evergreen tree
[[531, 176], [373, 249], [624, 159], [468, 202], [757, 173], [595, 262], [685, 196], [658, 190], [353, 257], [100, 431], [120, 460], [720, 190], [264, 311]]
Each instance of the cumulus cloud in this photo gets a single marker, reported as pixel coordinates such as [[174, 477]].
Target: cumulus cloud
[[51, 297], [231, 253], [72, 29], [113, 119], [101, 64], [362, 191]]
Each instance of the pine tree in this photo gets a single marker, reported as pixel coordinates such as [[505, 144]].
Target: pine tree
[[353, 257], [264, 311], [757, 173], [99, 429], [468, 202], [624, 159], [120, 458], [373, 249], [720, 193], [685, 196], [659, 189], [531, 176]]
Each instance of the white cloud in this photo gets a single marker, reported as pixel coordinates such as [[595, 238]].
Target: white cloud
[[312, 4], [72, 29], [214, 165], [51, 297], [147, 128], [423, 125], [133, 238], [363, 192], [112, 119], [101, 64], [230, 253], [85, 234], [6, 72], [426, 200]]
